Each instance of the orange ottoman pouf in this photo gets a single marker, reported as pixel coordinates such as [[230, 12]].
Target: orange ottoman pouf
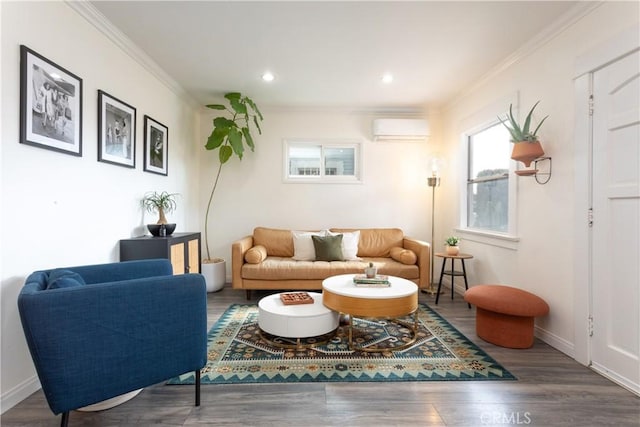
[[504, 315]]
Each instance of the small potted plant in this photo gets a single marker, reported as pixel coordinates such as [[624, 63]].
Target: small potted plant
[[371, 271], [161, 203], [452, 245], [526, 146]]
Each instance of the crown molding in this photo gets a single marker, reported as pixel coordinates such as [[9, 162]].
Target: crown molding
[[552, 31], [98, 20]]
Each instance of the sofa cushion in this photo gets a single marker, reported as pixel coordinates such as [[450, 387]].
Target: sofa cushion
[[285, 269], [256, 254], [349, 244], [376, 242], [405, 256], [303, 249], [61, 278], [328, 248], [277, 242]]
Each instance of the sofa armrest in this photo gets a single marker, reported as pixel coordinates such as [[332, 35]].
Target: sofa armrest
[[238, 249], [423, 252]]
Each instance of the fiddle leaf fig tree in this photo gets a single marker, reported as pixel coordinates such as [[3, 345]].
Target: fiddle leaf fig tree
[[229, 136]]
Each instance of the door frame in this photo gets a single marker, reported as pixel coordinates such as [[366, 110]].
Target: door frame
[[593, 60]]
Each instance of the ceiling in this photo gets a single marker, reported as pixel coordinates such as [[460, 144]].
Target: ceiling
[[331, 54]]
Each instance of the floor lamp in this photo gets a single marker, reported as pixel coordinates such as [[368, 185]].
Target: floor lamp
[[433, 181]]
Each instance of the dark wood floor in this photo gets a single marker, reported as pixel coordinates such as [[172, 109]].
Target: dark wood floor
[[552, 390]]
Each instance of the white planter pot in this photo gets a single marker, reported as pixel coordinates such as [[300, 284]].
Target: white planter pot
[[215, 274], [371, 272], [452, 250]]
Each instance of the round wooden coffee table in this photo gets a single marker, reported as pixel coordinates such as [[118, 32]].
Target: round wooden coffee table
[[340, 294]]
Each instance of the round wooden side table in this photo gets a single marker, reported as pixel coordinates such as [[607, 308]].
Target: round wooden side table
[[453, 273]]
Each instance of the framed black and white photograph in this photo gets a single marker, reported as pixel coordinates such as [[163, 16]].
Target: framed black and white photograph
[[116, 131], [156, 146], [50, 104]]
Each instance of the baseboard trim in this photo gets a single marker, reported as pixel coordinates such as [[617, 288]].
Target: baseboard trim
[[613, 376], [19, 393], [555, 341]]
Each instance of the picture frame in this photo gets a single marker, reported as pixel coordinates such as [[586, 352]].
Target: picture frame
[[116, 131], [50, 104], [156, 146]]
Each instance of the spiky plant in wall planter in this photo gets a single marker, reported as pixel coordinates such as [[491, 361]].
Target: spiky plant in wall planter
[[526, 146]]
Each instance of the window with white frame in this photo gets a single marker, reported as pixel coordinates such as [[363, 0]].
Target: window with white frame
[[322, 161], [488, 194]]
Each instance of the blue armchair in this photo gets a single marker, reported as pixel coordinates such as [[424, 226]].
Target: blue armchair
[[98, 331]]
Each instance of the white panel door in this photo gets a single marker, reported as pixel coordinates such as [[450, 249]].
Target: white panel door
[[615, 343]]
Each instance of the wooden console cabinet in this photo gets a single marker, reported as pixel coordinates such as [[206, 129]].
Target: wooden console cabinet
[[182, 249]]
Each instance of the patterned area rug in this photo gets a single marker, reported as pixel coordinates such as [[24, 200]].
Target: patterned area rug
[[238, 354]]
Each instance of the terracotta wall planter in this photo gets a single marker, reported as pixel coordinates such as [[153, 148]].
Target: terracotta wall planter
[[526, 152]]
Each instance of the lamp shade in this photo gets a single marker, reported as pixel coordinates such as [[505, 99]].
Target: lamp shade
[[435, 165]]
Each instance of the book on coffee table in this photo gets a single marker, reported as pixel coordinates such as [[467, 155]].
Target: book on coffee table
[[293, 298], [380, 280]]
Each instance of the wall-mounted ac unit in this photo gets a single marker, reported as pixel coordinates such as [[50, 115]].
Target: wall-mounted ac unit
[[400, 130]]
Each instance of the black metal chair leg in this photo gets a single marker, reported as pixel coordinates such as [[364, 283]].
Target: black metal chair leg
[[464, 274], [453, 275], [64, 422], [444, 261], [197, 374]]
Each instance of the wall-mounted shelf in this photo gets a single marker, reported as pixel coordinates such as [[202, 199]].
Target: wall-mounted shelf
[[542, 177]]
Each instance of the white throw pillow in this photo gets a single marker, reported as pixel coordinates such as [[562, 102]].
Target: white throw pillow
[[349, 244], [303, 249]]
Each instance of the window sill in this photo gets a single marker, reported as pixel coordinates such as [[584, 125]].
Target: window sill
[[500, 240], [321, 180]]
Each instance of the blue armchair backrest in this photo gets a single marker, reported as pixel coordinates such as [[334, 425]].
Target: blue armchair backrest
[[104, 273], [132, 325]]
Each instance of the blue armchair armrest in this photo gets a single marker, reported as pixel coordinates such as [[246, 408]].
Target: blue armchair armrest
[[132, 325]]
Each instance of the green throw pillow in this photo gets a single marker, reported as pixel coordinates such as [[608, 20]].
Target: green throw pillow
[[328, 248]]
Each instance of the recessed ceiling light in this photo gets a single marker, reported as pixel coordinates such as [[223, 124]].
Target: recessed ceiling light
[[387, 78], [268, 76]]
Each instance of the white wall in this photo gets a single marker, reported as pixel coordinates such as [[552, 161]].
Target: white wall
[[543, 259], [252, 193], [60, 210]]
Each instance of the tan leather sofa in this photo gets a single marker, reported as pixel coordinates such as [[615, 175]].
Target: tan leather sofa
[[272, 265]]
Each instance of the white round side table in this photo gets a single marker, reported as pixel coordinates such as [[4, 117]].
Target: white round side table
[[295, 321]]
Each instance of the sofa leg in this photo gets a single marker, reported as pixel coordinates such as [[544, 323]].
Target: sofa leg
[[248, 293], [64, 422], [197, 374]]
